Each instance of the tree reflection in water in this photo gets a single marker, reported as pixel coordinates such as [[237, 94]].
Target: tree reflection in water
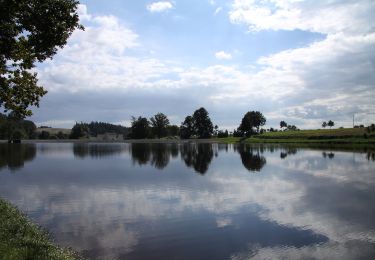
[[288, 151], [251, 157], [82, 150], [156, 154], [330, 155], [197, 155], [14, 156]]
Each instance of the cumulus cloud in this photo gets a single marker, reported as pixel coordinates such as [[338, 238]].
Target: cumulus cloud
[[158, 7], [316, 16], [328, 79], [222, 55]]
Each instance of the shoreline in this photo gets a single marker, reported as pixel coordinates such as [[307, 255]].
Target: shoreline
[[21, 238], [230, 140]]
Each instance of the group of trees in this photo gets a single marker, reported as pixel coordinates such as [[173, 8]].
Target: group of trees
[[330, 124], [158, 126], [82, 129], [284, 126], [199, 125], [13, 128]]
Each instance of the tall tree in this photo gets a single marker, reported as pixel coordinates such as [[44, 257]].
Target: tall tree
[[160, 122], [187, 128], [30, 31], [283, 124], [324, 124], [202, 123], [252, 119], [330, 123], [140, 128]]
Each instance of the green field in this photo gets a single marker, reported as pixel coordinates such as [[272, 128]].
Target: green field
[[21, 239], [327, 136], [317, 134]]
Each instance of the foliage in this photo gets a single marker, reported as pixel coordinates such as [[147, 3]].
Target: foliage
[[371, 128], [292, 128], [21, 239], [324, 124], [199, 124], [222, 134], [97, 128], [330, 123], [237, 133], [173, 130], [140, 128], [283, 124], [203, 127], [79, 130], [159, 123], [30, 31], [187, 128], [44, 135], [251, 120], [12, 128]]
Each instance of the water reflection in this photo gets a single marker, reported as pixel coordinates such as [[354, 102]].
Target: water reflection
[[82, 150], [252, 158], [197, 156], [288, 151], [329, 155], [370, 156], [303, 207], [14, 156]]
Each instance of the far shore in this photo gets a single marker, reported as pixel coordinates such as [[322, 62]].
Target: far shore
[[228, 140]]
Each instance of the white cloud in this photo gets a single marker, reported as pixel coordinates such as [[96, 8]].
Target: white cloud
[[218, 10], [222, 55], [329, 78], [82, 12], [316, 16], [161, 6]]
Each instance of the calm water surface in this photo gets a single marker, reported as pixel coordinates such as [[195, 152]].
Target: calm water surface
[[196, 201]]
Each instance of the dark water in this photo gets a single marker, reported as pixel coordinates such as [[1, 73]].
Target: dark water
[[190, 201]]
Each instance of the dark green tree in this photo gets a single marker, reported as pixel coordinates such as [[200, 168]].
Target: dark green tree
[[202, 123], [140, 128], [324, 124], [283, 124], [251, 120], [173, 130], [292, 128], [187, 128], [159, 123], [30, 31], [330, 123], [79, 130]]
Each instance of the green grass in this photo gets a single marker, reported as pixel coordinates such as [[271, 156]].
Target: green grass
[[21, 239], [316, 134], [345, 136]]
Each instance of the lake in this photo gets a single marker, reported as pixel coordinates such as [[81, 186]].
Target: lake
[[196, 201]]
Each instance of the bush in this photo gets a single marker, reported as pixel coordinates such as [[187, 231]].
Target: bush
[[44, 135]]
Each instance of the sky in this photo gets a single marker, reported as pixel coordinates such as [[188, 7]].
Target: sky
[[303, 62]]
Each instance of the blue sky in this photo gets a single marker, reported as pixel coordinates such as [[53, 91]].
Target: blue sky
[[300, 61]]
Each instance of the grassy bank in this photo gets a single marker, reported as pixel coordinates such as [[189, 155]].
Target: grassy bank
[[345, 136], [21, 239]]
